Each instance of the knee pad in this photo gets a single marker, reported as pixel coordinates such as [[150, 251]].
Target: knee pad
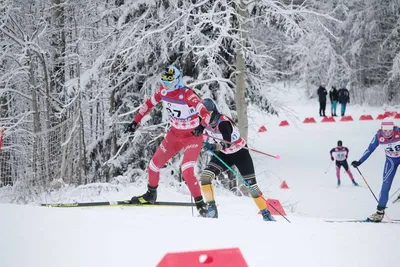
[[252, 183], [209, 173], [206, 176], [250, 179]]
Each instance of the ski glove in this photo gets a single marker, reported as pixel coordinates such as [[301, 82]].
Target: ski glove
[[209, 146], [332, 159], [216, 146], [356, 163], [198, 130], [131, 127]]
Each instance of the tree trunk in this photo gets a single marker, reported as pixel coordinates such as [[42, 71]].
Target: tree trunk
[[112, 114], [36, 155], [82, 145], [58, 46], [240, 94]]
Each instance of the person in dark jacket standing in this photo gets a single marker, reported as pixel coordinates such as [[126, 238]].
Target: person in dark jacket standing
[[344, 98], [322, 100], [333, 96]]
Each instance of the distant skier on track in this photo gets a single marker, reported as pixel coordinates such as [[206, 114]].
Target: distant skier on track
[[389, 138], [341, 153]]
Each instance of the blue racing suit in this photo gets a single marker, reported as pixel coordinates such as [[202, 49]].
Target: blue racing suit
[[391, 147]]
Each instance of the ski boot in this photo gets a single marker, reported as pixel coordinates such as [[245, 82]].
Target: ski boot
[[267, 216], [201, 207], [212, 210], [338, 183], [354, 183], [149, 197], [376, 217]]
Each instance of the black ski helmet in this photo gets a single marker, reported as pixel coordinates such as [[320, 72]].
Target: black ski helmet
[[211, 107], [339, 143]]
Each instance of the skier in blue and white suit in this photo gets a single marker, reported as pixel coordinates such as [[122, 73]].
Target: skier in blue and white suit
[[389, 138]]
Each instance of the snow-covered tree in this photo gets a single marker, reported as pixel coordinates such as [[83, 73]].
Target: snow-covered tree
[[73, 73]]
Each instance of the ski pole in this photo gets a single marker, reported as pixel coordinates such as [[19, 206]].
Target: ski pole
[[394, 194], [367, 184], [327, 169], [371, 190], [396, 200], [191, 201], [251, 149], [246, 183]]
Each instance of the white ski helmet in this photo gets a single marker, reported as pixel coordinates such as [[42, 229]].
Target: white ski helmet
[[171, 79], [387, 127]]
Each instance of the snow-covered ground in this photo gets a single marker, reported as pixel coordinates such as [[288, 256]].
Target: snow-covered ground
[[33, 236]]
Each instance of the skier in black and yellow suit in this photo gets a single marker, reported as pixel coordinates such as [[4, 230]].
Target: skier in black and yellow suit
[[232, 152]]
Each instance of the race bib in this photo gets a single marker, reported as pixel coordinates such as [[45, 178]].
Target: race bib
[[179, 111], [341, 155], [392, 149]]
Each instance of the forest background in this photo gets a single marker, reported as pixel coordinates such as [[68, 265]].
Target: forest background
[[73, 73]]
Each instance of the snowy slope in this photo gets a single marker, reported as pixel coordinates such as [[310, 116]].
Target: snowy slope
[[136, 236], [140, 237]]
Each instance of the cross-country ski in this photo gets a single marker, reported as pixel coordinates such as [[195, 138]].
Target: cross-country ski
[[119, 203], [361, 221]]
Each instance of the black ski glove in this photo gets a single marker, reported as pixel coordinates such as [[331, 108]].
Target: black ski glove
[[216, 146], [209, 146], [332, 159], [131, 127], [198, 130], [356, 163]]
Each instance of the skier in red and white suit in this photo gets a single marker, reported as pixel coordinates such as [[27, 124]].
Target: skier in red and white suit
[[188, 118]]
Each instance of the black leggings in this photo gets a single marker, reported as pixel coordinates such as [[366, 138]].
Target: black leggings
[[343, 163], [322, 107], [241, 159]]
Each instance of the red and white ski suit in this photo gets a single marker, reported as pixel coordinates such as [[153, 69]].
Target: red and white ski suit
[[185, 112]]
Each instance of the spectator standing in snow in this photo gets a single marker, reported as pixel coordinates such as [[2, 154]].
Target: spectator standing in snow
[[322, 100], [333, 96], [344, 98]]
